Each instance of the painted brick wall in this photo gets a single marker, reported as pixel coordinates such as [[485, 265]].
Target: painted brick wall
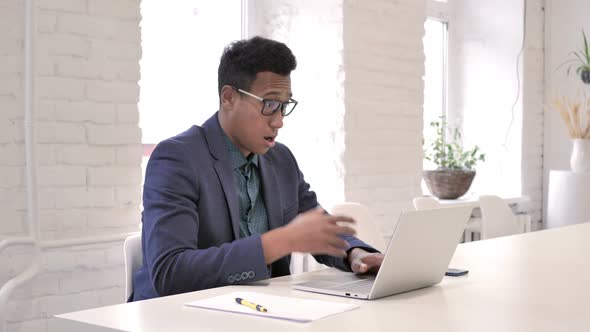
[[384, 65], [88, 146], [533, 113], [12, 154]]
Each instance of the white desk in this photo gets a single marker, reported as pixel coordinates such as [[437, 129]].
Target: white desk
[[536, 281], [474, 201]]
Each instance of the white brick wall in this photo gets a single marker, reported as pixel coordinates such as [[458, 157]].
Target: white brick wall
[[88, 149], [65, 6], [533, 113], [384, 64], [124, 134], [73, 154], [12, 154], [73, 279]]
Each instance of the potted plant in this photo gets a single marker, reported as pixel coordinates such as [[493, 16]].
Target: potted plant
[[580, 61], [454, 173]]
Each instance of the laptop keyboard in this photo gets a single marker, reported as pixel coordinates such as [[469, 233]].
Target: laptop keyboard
[[361, 286]]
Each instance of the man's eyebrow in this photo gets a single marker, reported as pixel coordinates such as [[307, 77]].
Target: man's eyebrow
[[277, 93]]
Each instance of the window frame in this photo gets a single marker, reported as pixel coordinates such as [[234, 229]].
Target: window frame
[[439, 11]]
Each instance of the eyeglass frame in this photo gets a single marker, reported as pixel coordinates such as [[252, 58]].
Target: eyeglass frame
[[264, 101]]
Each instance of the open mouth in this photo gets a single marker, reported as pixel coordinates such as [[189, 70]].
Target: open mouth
[[269, 139]]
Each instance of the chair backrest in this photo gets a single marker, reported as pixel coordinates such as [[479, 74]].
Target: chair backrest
[[366, 228], [497, 218], [426, 203], [133, 260]]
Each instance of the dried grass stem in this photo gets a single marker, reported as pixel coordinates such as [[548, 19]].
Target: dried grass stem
[[572, 113]]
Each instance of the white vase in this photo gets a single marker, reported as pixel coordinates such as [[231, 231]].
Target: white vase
[[580, 160]]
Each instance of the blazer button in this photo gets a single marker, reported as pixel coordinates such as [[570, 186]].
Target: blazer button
[[251, 274], [237, 277], [230, 279], [244, 275]]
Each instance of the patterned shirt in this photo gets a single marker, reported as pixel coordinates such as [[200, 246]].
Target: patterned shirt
[[246, 172]]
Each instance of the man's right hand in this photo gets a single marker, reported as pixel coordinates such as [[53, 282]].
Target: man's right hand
[[313, 232]]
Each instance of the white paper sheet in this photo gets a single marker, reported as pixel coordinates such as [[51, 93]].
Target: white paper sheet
[[289, 308]]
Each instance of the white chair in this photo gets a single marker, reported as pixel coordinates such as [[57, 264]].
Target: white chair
[[429, 203], [133, 260], [498, 219], [473, 227], [426, 203], [366, 229]]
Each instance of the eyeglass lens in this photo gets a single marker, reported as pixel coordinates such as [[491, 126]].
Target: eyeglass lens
[[271, 106]]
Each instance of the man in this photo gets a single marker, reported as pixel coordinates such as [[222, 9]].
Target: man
[[225, 203]]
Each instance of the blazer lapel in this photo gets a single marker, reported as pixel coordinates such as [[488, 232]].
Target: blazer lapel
[[272, 194], [223, 169], [224, 173]]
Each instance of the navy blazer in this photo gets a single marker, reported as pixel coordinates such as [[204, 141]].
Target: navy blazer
[[190, 234]]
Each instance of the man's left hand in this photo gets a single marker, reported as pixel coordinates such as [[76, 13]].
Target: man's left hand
[[362, 261]]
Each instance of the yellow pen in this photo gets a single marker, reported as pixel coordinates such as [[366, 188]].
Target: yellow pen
[[248, 304]]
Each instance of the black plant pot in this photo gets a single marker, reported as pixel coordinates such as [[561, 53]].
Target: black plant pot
[[585, 76]]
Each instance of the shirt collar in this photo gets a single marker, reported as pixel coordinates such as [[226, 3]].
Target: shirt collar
[[236, 157]]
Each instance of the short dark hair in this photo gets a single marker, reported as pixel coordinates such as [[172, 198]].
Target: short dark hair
[[243, 59]]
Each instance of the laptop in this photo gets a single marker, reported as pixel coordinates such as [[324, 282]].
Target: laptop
[[417, 256]]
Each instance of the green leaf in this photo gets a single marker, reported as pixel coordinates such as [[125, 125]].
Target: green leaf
[[586, 48], [579, 56], [450, 154], [578, 59]]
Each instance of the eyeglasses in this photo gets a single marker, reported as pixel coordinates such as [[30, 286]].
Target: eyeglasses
[[270, 106]]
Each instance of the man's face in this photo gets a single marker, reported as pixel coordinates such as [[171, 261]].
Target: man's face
[[251, 130]]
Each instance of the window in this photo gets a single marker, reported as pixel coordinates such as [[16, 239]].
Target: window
[[435, 76], [178, 69], [483, 97], [435, 43]]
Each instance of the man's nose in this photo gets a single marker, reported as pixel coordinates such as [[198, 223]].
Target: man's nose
[[276, 120]]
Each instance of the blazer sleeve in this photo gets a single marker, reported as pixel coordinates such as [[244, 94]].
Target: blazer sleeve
[[307, 201], [171, 224]]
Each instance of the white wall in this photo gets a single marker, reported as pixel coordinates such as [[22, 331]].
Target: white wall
[[563, 32], [12, 154], [87, 149], [533, 126], [384, 91]]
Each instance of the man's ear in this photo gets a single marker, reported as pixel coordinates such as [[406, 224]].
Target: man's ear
[[228, 97]]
